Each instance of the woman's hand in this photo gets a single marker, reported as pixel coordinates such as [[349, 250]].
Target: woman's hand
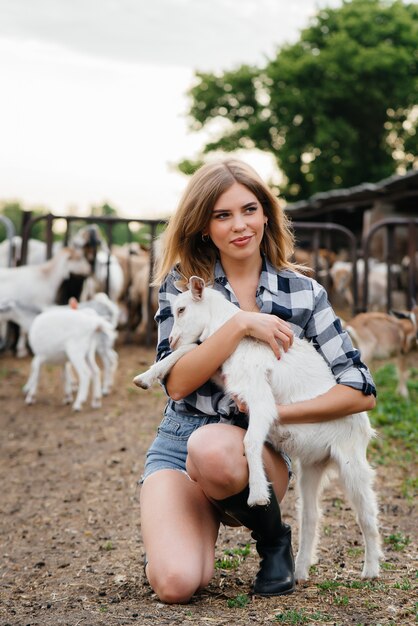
[[268, 328]]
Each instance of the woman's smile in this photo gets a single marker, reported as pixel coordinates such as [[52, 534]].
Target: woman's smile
[[242, 241]]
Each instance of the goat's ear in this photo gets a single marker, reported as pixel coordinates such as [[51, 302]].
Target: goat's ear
[[399, 314], [196, 286]]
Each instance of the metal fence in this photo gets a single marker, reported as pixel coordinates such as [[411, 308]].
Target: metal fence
[[10, 233], [321, 235]]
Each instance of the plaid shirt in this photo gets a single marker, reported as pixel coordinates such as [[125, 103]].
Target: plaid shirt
[[299, 300]]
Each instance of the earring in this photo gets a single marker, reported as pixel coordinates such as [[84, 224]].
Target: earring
[[205, 238]]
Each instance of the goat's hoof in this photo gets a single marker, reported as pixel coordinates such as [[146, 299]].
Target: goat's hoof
[[68, 399], [301, 574], [30, 400], [140, 382], [96, 404], [258, 501], [77, 408], [371, 572]]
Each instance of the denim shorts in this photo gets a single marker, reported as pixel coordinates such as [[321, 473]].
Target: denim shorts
[[169, 448]]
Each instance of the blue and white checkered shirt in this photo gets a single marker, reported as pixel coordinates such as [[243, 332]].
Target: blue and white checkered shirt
[[299, 300]]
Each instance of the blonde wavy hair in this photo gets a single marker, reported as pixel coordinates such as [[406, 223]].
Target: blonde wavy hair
[[183, 245]]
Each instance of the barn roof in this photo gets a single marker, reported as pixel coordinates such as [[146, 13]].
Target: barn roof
[[390, 189]]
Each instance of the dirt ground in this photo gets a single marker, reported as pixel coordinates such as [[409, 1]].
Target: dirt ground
[[71, 551]]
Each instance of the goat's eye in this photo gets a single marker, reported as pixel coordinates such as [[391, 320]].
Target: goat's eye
[[181, 310]]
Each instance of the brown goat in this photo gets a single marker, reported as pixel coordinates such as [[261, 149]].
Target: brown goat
[[381, 336]]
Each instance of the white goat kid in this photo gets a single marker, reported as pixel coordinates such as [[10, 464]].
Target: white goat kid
[[254, 375], [37, 285], [102, 305], [61, 335]]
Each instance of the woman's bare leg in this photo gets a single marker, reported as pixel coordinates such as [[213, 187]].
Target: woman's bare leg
[[217, 463], [179, 529]]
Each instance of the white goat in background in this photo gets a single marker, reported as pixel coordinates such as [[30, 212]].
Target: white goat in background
[[256, 377], [37, 286], [102, 305], [61, 335]]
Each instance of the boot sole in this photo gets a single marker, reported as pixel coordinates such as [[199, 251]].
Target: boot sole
[[279, 593]]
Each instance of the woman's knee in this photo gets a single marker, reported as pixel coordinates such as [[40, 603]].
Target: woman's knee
[[211, 455], [176, 585]]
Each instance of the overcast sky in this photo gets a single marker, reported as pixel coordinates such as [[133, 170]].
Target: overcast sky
[[93, 104]]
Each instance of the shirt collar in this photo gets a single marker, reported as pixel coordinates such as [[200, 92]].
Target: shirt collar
[[267, 270]]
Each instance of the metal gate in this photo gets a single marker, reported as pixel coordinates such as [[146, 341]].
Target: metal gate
[[321, 237], [390, 225], [108, 223], [10, 233]]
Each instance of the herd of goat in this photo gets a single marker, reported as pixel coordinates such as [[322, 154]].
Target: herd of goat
[[59, 328]]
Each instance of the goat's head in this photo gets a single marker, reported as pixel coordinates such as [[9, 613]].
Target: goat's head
[[75, 262], [409, 320], [89, 239], [191, 314]]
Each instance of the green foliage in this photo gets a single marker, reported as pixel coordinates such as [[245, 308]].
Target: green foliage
[[189, 167], [15, 212], [122, 232], [239, 602], [398, 541], [405, 585], [243, 552], [233, 557], [293, 616], [395, 419], [341, 600], [335, 108]]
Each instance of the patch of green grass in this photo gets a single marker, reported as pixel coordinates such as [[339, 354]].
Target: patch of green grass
[[227, 563], [341, 600], [321, 617], [107, 547], [328, 585], [355, 551], [239, 602], [387, 566], [394, 418], [333, 585], [292, 617], [398, 541], [296, 617], [405, 585], [373, 585], [233, 557], [243, 552], [409, 488]]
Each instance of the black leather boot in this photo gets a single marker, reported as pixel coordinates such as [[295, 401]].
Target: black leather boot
[[273, 542]]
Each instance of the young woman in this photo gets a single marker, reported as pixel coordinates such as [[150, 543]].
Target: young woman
[[230, 230]]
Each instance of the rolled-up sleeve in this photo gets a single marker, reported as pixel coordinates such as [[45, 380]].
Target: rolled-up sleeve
[[334, 344]]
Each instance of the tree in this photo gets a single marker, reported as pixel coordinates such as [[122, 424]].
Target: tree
[[337, 108], [15, 211]]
